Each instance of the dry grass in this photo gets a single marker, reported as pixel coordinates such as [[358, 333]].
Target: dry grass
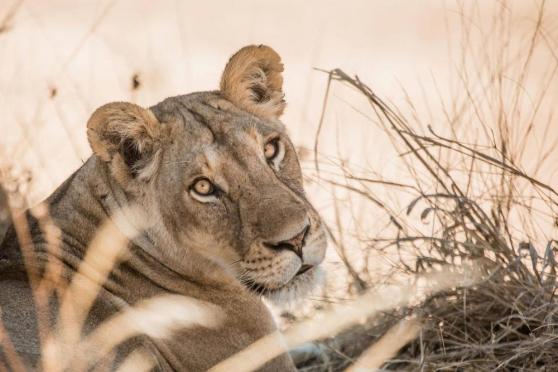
[[62, 343], [472, 199], [507, 321], [339, 317]]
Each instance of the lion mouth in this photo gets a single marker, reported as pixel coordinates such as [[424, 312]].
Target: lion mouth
[[263, 290], [303, 269]]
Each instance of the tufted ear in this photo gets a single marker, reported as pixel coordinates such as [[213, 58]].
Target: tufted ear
[[127, 137], [252, 80]]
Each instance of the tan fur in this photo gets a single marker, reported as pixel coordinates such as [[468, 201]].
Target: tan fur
[[253, 81], [225, 249], [114, 123]]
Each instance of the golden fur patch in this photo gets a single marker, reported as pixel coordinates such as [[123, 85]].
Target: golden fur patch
[[253, 81], [123, 124], [113, 122]]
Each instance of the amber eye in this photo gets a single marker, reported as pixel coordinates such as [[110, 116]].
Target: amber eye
[[270, 149], [203, 187]]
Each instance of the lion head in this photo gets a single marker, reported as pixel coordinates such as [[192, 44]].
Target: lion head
[[217, 175]]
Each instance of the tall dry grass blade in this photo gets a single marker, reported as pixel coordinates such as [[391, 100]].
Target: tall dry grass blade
[[342, 316], [12, 358], [104, 251], [157, 318], [108, 246], [51, 280], [387, 347], [40, 298], [137, 361]]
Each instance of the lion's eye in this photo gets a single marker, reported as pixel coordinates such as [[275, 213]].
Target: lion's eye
[[270, 149], [274, 151], [203, 187]]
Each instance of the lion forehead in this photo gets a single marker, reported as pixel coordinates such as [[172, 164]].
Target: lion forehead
[[205, 117]]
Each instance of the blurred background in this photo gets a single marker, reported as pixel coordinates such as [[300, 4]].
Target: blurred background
[[61, 59]]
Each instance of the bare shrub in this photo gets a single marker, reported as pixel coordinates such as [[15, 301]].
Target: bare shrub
[[474, 197]]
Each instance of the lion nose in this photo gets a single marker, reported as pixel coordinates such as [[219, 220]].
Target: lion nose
[[293, 244]]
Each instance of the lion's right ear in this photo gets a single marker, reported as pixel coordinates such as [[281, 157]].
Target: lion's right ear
[[127, 136]]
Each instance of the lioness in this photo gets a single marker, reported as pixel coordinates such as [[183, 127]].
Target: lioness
[[218, 181]]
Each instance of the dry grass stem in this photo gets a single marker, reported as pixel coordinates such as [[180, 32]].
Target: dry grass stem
[[340, 317], [387, 346]]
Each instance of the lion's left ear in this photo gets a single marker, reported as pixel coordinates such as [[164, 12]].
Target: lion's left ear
[[252, 80]]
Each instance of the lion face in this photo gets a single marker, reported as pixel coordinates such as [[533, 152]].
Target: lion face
[[219, 176]]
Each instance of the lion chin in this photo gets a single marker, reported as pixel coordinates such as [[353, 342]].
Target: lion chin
[[295, 290]]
